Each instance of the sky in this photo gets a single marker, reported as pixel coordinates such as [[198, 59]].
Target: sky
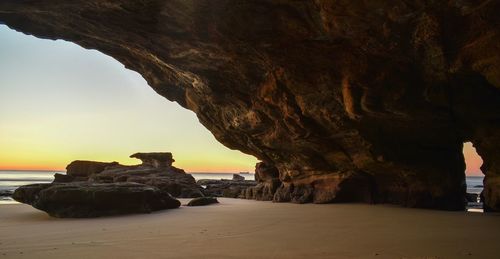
[[60, 102]]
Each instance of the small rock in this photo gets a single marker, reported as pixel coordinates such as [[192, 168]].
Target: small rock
[[202, 201], [471, 197], [237, 177]]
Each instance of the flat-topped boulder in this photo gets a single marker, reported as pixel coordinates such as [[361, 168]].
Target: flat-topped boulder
[[155, 159], [85, 199]]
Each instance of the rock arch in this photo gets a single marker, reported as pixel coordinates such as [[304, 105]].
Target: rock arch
[[322, 90]]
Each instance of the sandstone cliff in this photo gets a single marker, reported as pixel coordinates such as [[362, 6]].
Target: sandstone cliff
[[349, 100]]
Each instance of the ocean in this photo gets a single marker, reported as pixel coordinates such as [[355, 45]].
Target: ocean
[[10, 180]]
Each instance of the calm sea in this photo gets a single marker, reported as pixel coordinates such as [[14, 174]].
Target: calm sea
[[10, 180]]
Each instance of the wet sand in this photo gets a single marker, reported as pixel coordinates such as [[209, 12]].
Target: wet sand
[[251, 229]]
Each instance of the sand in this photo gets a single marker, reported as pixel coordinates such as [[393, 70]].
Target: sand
[[251, 229]]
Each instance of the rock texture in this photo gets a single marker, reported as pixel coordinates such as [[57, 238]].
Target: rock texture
[[226, 188], [156, 170], [169, 179], [267, 177], [83, 200], [156, 160], [364, 99], [202, 201]]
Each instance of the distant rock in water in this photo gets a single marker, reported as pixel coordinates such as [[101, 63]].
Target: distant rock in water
[[237, 177], [6, 193], [85, 199], [202, 201]]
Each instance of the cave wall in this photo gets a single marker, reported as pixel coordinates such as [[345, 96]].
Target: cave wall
[[350, 100]]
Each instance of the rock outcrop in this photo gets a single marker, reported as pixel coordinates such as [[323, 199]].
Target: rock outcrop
[[226, 188], [84, 200], [156, 160], [237, 177], [370, 100], [267, 177], [156, 170], [169, 179]]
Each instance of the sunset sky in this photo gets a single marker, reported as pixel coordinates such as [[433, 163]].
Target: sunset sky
[[60, 102]]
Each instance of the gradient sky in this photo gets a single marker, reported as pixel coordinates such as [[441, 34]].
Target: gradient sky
[[60, 102]]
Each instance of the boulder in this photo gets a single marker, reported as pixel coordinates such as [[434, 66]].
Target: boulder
[[84, 199], [471, 197], [202, 201]]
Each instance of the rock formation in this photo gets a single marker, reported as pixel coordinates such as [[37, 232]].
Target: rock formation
[[226, 188], [156, 160], [156, 170], [237, 177], [85, 169], [84, 200], [348, 100]]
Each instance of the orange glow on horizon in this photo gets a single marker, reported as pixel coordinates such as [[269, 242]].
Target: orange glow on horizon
[[62, 168]]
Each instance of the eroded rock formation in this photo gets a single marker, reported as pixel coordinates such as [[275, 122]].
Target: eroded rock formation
[[365, 99], [156, 160], [156, 170], [226, 188]]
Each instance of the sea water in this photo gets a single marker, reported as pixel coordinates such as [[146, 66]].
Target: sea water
[[10, 180]]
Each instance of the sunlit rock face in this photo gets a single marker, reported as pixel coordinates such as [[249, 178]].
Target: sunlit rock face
[[350, 100]]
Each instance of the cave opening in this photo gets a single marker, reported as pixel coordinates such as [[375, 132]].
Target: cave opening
[[60, 102], [473, 178]]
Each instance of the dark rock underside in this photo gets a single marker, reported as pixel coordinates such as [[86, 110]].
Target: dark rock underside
[[86, 200], [349, 100]]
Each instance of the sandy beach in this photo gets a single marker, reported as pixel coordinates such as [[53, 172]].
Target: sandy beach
[[251, 229]]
